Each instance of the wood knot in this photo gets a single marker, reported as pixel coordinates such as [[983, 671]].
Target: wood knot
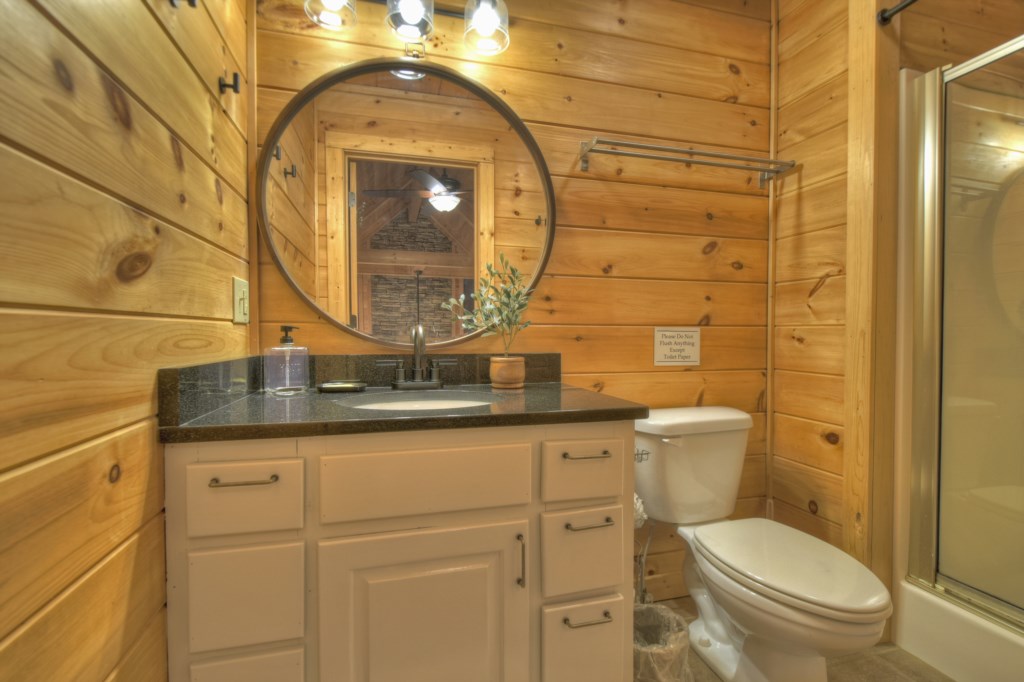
[[832, 437], [731, 99], [622, 22], [179, 157], [812, 507], [607, 269], [118, 102], [518, 192], [709, 248], [220, 191], [734, 69], [709, 215], [568, 98], [63, 75], [736, 265], [753, 122], [704, 321], [114, 475], [182, 198], [133, 266], [577, 338]]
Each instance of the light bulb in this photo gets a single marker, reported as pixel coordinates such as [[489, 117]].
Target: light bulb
[[333, 14], [332, 5], [444, 202], [329, 19], [411, 11], [485, 20]]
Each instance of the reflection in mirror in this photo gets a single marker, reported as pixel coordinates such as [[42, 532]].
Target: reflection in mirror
[[370, 178]]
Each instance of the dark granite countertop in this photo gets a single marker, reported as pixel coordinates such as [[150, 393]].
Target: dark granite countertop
[[263, 415], [223, 400]]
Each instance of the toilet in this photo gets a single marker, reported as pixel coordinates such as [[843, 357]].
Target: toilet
[[773, 601]]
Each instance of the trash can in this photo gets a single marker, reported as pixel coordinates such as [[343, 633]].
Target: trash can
[[660, 645]]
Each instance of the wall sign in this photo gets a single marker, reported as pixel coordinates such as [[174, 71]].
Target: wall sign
[[677, 345]]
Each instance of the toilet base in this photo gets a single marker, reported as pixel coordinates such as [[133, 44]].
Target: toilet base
[[755, 660]]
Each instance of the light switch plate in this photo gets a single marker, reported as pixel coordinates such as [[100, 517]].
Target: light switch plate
[[240, 296]]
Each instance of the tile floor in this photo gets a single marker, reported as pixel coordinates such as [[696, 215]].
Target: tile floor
[[882, 663]]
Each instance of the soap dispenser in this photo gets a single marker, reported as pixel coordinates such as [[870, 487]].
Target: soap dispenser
[[286, 366]]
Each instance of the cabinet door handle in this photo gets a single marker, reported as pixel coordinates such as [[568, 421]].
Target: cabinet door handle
[[521, 580], [217, 483], [608, 521], [234, 85], [607, 618], [604, 455]]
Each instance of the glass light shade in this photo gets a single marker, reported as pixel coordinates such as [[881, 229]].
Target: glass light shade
[[333, 14], [444, 202], [411, 20], [487, 26]]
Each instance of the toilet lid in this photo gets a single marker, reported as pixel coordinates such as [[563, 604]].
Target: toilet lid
[[795, 564]]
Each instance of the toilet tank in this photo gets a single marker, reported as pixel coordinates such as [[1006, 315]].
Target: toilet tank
[[689, 461]]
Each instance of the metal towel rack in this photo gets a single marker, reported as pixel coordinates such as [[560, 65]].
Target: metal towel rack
[[766, 168]]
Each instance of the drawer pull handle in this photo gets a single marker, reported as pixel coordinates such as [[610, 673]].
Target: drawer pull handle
[[604, 455], [217, 483], [608, 521], [521, 580], [586, 624]]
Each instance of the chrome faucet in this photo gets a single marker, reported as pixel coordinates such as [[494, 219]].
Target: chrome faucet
[[419, 349], [423, 377]]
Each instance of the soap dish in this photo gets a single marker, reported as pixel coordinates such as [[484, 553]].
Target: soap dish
[[342, 386]]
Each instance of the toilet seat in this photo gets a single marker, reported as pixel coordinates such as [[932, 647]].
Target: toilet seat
[[793, 568]]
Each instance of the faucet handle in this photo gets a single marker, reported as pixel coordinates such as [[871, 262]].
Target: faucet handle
[[399, 366], [437, 363]]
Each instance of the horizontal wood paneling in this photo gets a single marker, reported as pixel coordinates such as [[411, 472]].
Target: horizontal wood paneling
[[811, 255], [816, 301], [743, 390], [598, 253], [122, 219], [99, 131], [147, 659], [65, 378], [578, 300], [801, 519], [79, 636], [64, 514], [813, 396], [820, 349], [819, 62], [809, 442], [818, 492], [70, 245], [818, 207]]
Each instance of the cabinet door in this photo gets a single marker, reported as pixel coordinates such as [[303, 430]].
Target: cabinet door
[[446, 605]]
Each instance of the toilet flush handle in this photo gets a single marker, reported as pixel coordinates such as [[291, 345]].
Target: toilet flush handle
[[677, 441]]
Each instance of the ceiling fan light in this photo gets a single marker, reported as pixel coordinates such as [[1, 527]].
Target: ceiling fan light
[[444, 202], [331, 14], [411, 20], [487, 26]]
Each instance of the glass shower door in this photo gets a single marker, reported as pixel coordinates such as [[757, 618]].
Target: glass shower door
[[967, 426]]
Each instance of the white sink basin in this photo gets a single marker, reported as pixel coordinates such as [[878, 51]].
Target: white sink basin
[[420, 400]]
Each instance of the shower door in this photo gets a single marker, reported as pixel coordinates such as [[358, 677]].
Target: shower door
[[968, 425]]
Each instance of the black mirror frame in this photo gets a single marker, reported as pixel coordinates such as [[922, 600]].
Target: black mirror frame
[[374, 66]]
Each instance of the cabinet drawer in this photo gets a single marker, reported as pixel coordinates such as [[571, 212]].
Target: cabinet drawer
[[278, 666], [387, 484], [578, 469], [243, 497], [581, 549], [245, 595], [584, 640]]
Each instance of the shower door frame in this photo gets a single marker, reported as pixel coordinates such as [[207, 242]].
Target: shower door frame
[[926, 180]]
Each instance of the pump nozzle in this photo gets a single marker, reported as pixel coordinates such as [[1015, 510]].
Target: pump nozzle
[[287, 330]]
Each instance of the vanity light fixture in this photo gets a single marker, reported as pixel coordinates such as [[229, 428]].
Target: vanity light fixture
[[487, 26], [411, 20], [486, 29], [332, 14]]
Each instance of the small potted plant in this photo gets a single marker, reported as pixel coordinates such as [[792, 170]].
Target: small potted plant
[[499, 306]]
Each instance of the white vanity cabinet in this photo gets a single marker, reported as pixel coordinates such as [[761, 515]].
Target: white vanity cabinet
[[498, 554]]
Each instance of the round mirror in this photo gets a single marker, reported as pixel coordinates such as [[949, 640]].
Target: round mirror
[[386, 187]]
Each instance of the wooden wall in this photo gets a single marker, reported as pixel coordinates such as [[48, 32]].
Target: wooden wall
[[834, 232], [122, 219], [809, 287], [639, 243]]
